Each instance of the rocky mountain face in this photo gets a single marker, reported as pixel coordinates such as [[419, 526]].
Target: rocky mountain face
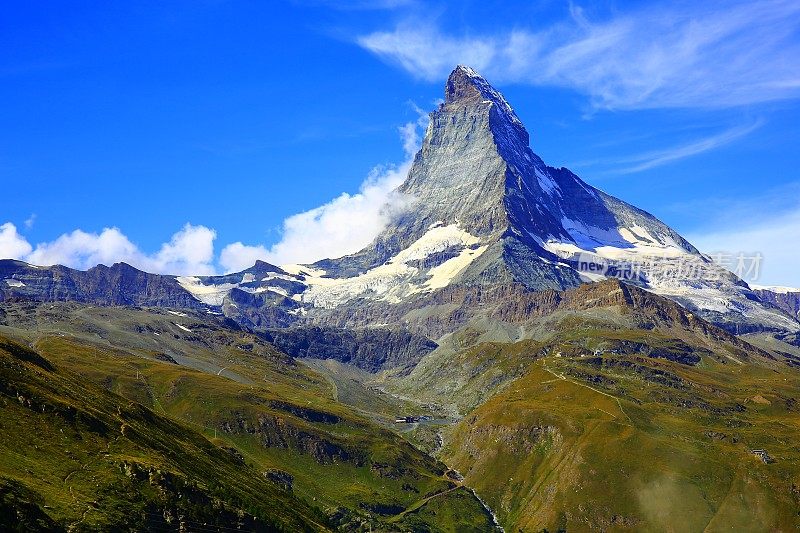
[[786, 299], [485, 209], [371, 349], [120, 284], [480, 211]]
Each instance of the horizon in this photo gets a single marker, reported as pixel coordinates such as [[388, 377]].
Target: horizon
[[148, 115]]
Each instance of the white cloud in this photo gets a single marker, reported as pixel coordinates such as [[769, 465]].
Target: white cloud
[[12, 244], [657, 158], [190, 251], [701, 55], [238, 256], [344, 225], [774, 237], [80, 249], [411, 139], [30, 221], [428, 54]]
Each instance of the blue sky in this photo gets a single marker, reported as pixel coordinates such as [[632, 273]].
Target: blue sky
[[163, 133]]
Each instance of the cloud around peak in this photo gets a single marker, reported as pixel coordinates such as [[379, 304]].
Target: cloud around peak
[[344, 225]]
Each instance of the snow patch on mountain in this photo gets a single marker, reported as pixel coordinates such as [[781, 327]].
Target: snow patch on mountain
[[442, 275], [436, 239], [619, 244], [546, 182], [302, 270], [208, 294], [668, 270], [274, 275], [396, 279], [277, 290], [382, 282], [587, 237]]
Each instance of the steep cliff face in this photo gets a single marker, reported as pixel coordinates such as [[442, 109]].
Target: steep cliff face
[[784, 298], [371, 349], [476, 170], [484, 209]]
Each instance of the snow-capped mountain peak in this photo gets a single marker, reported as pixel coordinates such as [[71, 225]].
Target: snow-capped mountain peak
[[486, 211]]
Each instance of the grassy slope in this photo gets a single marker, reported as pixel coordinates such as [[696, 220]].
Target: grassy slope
[[583, 442], [630, 440], [269, 410], [626, 441], [74, 454]]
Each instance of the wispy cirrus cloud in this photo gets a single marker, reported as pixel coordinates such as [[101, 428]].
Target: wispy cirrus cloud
[[771, 236], [718, 54], [650, 160], [633, 163], [30, 221]]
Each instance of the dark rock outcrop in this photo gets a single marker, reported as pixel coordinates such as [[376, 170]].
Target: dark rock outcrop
[[281, 432], [166, 358], [259, 311], [280, 478], [371, 349]]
